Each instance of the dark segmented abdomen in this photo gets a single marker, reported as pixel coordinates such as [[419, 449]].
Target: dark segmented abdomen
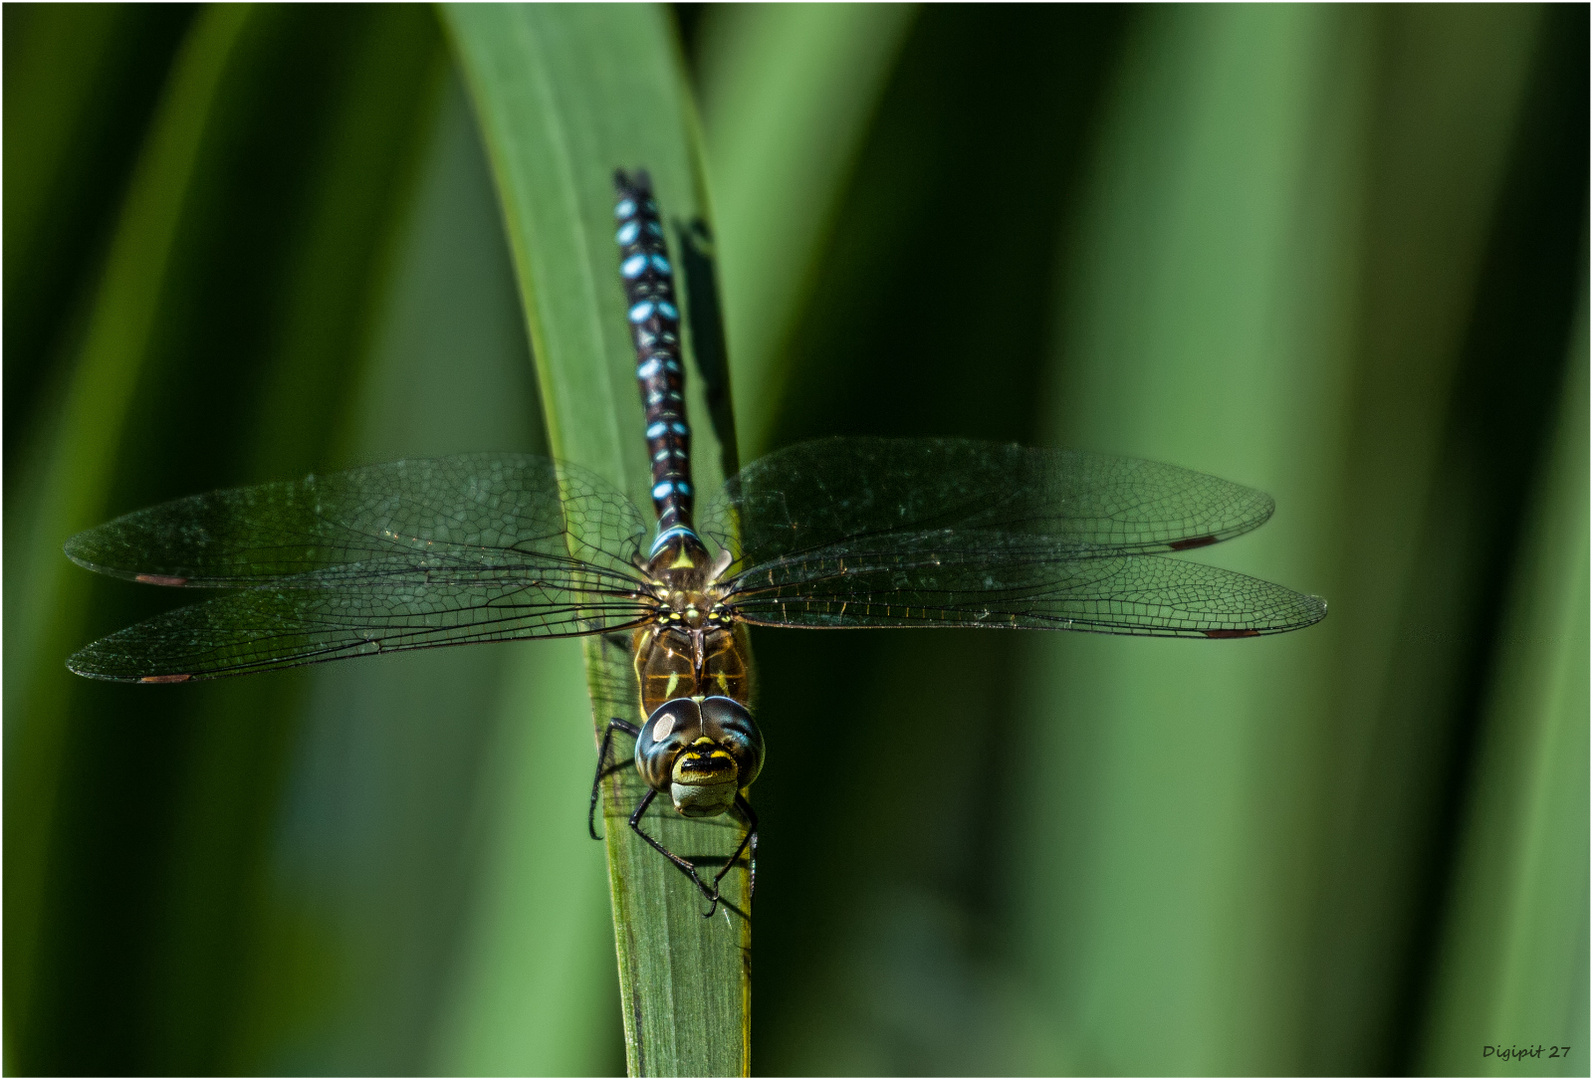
[[655, 331]]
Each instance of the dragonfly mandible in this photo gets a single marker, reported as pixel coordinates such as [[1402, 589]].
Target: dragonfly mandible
[[842, 533]]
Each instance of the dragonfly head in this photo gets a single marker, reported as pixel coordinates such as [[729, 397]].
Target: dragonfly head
[[702, 751]]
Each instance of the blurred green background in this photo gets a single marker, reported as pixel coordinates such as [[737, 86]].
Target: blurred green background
[[1338, 253]]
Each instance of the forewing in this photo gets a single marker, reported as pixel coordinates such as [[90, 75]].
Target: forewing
[[407, 555], [490, 510], [361, 609], [973, 578], [849, 490]]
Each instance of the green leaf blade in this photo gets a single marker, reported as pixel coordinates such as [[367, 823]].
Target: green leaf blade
[[564, 96]]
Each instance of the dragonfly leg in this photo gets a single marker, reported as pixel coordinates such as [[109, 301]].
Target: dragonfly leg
[[745, 812], [685, 867], [605, 769]]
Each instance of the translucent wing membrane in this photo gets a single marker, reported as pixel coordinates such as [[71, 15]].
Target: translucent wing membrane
[[956, 577], [946, 532], [276, 627], [407, 555], [819, 494], [470, 508]]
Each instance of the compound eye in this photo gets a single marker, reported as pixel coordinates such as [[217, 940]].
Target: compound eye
[[730, 723], [673, 725]]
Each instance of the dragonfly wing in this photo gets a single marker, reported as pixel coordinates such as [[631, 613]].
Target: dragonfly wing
[[381, 606], [501, 507], [815, 495], [985, 579]]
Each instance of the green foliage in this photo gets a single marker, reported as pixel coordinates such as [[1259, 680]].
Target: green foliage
[[1335, 253]]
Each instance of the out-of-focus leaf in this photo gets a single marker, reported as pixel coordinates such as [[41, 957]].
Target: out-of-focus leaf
[[1467, 291], [80, 83], [564, 96], [64, 488], [370, 80], [1216, 240], [1512, 970], [370, 959], [298, 159], [1253, 210], [930, 317], [472, 759], [788, 93]]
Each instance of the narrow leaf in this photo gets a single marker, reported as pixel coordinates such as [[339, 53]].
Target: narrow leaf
[[564, 96]]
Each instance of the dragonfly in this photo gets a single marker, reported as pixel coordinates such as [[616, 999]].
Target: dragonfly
[[840, 533]]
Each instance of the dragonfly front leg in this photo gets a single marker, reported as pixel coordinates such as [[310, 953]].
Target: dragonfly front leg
[[749, 818], [606, 770], [683, 865]]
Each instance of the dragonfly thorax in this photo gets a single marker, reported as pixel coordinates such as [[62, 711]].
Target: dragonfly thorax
[[690, 610], [686, 589], [693, 647], [676, 660]]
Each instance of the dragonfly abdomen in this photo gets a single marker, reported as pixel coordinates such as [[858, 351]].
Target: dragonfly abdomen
[[655, 332]]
